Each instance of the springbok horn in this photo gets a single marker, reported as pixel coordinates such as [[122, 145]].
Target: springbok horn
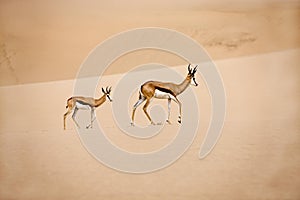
[[189, 68], [103, 90], [109, 90], [106, 89], [195, 69]]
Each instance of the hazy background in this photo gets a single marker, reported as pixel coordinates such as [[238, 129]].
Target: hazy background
[[48, 40]]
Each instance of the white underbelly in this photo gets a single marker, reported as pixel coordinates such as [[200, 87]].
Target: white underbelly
[[162, 95], [82, 106]]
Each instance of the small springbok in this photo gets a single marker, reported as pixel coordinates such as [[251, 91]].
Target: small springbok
[[162, 90], [85, 103]]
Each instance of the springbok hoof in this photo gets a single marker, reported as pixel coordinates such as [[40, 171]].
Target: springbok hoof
[[132, 124], [168, 121], [87, 127], [179, 119]]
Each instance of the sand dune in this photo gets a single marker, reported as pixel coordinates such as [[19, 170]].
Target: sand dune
[[257, 156], [46, 41]]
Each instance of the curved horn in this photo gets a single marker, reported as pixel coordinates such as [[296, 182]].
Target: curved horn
[[106, 89], [103, 90], [195, 69], [189, 68], [109, 89]]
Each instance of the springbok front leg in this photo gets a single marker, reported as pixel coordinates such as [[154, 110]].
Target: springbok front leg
[[179, 106], [74, 115], [145, 111], [169, 110], [92, 118]]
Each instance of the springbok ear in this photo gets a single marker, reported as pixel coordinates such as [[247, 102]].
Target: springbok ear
[[103, 91]]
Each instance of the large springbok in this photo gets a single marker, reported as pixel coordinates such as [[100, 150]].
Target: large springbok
[[85, 103], [162, 90]]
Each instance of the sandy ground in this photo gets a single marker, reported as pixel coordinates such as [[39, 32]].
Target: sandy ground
[[257, 156], [256, 45]]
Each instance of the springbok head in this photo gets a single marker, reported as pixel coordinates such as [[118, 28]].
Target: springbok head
[[192, 73], [107, 92]]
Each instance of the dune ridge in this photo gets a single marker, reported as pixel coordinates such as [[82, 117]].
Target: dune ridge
[[43, 42]]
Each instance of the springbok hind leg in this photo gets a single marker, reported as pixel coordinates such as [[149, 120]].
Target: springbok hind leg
[[137, 104], [65, 116], [145, 111], [74, 115]]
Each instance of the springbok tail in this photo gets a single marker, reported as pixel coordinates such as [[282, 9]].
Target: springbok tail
[[68, 101]]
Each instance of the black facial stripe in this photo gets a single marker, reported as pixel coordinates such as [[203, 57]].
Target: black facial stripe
[[165, 90]]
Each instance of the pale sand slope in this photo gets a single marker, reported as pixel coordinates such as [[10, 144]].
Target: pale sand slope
[[48, 40], [257, 157]]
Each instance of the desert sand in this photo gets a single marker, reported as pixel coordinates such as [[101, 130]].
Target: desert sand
[[256, 47]]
